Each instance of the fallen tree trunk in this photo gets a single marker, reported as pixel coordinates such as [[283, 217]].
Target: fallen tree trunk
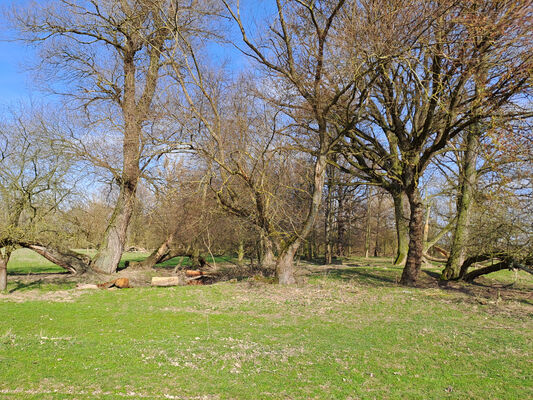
[[443, 252]]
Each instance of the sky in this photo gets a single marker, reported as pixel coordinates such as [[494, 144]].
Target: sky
[[15, 79]]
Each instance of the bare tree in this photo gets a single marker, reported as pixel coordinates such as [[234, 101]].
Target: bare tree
[[299, 54], [111, 56], [35, 179], [428, 56]]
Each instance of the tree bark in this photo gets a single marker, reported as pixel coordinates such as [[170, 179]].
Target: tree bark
[[268, 261], [72, 261], [285, 265], [464, 203], [135, 113], [402, 227], [328, 221], [367, 232], [415, 253], [378, 225], [485, 270], [159, 255], [112, 246], [341, 223], [240, 253], [3, 273], [285, 261]]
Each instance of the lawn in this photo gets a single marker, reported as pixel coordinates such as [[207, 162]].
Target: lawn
[[345, 332]]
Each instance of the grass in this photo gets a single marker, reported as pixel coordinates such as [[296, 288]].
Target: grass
[[25, 261], [346, 332]]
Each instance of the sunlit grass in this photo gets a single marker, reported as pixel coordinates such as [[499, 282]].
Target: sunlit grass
[[347, 332]]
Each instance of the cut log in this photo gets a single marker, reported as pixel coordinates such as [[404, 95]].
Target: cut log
[[120, 283], [192, 272], [168, 281]]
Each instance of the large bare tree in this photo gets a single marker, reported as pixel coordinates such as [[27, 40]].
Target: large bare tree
[[428, 57], [109, 56]]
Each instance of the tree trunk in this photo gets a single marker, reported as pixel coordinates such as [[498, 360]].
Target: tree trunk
[[285, 265], [3, 273], [240, 253], [464, 203], [367, 233], [309, 250], [163, 253], [415, 253], [341, 223], [112, 246], [486, 270], [402, 227], [378, 225], [159, 255], [134, 113], [268, 261], [328, 220], [285, 261]]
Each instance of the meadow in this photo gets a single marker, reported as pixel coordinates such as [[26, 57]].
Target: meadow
[[344, 332]]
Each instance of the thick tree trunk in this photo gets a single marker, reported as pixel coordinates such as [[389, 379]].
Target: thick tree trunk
[[134, 113], [402, 227], [415, 254], [328, 221], [464, 203], [285, 265], [485, 270], [505, 262], [70, 260], [112, 246]]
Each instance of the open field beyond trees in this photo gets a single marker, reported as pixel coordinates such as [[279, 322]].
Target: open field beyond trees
[[345, 331]]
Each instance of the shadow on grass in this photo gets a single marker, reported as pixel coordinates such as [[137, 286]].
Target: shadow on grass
[[361, 274], [38, 273], [320, 261], [26, 285], [186, 262]]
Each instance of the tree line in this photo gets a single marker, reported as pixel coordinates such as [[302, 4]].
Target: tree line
[[392, 128]]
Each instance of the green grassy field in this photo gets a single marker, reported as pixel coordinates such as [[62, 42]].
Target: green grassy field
[[348, 332]]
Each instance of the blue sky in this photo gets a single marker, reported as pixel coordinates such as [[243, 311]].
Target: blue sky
[[16, 82], [15, 79]]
